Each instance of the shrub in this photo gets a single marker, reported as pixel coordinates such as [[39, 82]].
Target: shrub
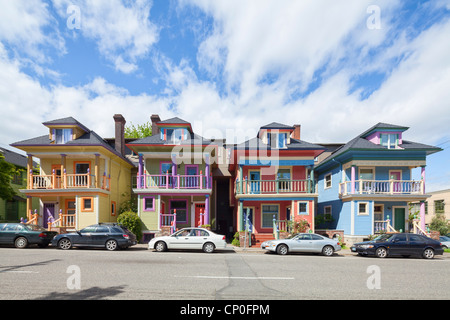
[[132, 222], [235, 242], [439, 223]]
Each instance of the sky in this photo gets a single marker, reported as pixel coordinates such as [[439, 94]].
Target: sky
[[230, 67]]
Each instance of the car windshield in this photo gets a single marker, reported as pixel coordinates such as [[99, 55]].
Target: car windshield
[[383, 237], [33, 227]]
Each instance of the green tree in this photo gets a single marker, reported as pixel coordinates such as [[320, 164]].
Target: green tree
[[7, 171], [132, 221], [440, 223], [139, 131]]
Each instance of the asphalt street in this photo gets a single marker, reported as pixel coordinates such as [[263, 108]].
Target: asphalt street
[[140, 274]]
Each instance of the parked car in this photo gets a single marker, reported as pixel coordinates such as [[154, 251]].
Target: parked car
[[445, 242], [102, 235], [400, 244], [303, 242], [189, 238], [21, 235]]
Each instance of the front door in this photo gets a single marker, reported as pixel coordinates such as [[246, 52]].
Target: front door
[[399, 219], [248, 214], [255, 183], [49, 214], [199, 214]]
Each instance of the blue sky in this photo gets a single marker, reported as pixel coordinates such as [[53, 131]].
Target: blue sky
[[229, 67]]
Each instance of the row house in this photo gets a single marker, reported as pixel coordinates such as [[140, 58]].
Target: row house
[[365, 186], [174, 181], [274, 181], [81, 178]]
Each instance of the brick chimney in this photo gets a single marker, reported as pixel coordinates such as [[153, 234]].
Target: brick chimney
[[155, 119], [120, 134], [296, 133]]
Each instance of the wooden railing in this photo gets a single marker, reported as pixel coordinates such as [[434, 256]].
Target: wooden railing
[[383, 226], [274, 186], [67, 181], [418, 229], [166, 181], [168, 220], [387, 187]]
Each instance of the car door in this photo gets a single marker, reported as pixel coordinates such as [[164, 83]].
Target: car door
[[100, 235], [180, 240], [416, 244], [2, 233], [302, 243], [84, 237], [9, 233], [399, 245], [317, 243]]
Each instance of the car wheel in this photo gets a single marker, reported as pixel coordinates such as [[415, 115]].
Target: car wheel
[[65, 244], [21, 242], [282, 249], [328, 251], [381, 252], [428, 253], [160, 246], [111, 245], [209, 247]]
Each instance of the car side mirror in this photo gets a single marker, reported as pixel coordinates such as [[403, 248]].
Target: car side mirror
[[79, 232]]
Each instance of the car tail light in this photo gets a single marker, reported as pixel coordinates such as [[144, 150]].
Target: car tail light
[[223, 238], [338, 243], [42, 235], [126, 236]]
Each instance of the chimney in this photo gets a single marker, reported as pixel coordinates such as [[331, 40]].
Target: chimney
[[155, 119], [120, 134], [296, 133]]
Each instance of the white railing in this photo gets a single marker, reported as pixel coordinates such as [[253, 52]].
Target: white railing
[[164, 181], [381, 187], [274, 186]]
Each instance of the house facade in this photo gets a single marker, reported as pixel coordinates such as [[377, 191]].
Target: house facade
[[273, 181], [173, 182], [366, 185], [81, 179]]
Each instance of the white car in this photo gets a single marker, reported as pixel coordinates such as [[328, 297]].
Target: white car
[[189, 238], [303, 242]]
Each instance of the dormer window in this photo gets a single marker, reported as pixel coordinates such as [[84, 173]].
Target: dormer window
[[389, 140], [277, 140], [174, 136], [62, 136]]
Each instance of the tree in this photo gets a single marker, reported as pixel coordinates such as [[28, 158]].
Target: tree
[[139, 131], [7, 171], [440, 223]]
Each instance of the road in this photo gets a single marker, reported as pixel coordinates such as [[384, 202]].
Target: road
[[140, 274]]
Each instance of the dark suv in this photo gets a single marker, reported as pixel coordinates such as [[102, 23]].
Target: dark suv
[[103, 235]]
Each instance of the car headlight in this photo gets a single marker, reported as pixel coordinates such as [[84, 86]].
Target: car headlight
[[366, 246]]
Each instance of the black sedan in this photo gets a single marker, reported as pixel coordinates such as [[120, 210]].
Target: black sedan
[[109, 236], [399, 244], [21, 235]]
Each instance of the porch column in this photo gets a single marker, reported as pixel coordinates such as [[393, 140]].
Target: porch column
[[30, 173], [174, 170], [207, 171], [29, 207], [63, 171], [241, 184], [422, 174], [241, 215], [140, 170], [206, 216], [353, 179], [422, 215], [96, 169]]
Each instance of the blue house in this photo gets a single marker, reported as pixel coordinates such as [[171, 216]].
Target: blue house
[[365, 185]]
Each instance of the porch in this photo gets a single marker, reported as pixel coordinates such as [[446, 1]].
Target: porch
[[172, 182], [266, 187], [67, 181], [382, 187]]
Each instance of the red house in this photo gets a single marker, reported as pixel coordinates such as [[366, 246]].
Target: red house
[[274, 181]]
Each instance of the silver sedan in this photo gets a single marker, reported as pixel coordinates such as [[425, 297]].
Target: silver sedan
[[189, 238], [303, 242]]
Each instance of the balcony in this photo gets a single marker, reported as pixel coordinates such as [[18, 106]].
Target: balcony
[[172, 183], [273, 187], [382, 187], [67, 181]]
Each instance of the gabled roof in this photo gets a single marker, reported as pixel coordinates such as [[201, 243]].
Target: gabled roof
[[193, 139], [380, 126], [276, 125], [15, 158], [360, 143], [174, 120], [258, 144]]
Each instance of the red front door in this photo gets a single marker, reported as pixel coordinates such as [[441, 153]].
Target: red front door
[[199, 214]]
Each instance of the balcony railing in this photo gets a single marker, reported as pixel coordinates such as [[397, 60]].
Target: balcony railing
[[175, 182], [67, 181], [274, 186], [384, 187]]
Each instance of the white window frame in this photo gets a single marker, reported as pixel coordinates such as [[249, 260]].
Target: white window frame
[[325, 181], [366, 213], [307, 208]]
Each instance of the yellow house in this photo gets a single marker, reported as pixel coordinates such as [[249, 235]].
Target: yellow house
[[82, 178]]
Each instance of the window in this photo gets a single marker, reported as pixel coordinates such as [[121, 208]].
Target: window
[[113, 208], [82, 167], [389, 140], [327, 213], [181, 207], [174, 135], [62, 136], [303, 208], [363, 208], [149, 204], [439, 206], [277, 140], [328, 181], [102, 229], [366, 174], [284, 177], [268, 213], [87, 204], [378, 212]]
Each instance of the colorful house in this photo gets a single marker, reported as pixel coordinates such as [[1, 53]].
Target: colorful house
[[366, 184], [81, 179], [274, 181], [174, 182]]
